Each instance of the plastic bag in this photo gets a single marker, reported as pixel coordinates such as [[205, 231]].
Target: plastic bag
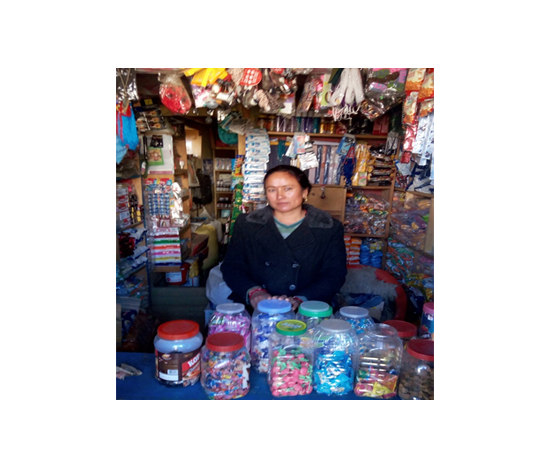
[[174, 95], [384, 89], [217, 290]]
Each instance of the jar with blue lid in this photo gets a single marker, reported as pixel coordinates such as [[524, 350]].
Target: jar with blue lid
[[334, 355], [231, 317], [312, 313], [264, 319], [359, 317]]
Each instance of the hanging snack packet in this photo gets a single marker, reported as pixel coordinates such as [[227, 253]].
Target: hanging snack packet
[[174, 95], [409, 108], [415, 77], [385, 88], [427, 89]]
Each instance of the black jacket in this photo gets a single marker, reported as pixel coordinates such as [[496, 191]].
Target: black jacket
[[311, 262]]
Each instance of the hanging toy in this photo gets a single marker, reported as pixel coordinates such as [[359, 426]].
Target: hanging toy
[[348, 95], [173, 94]]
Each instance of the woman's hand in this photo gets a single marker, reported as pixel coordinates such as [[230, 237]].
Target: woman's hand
[[294, 301], [258, 296]]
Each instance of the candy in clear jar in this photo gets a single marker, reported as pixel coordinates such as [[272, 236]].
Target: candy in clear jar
[[418, 374], [358, 317], [290, 360], [225, 364], [335, 348], [231, 317], [264, 319], [312, 313], [379, 362]]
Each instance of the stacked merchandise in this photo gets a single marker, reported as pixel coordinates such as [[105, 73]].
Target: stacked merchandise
[[328, 164], [416, 168], [255, 166], [128, 210], [366, 252], [366, 213]]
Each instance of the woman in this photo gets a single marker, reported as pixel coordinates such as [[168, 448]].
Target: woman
[[288, 250]]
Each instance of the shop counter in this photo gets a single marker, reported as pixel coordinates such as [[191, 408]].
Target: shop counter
[[146, 387]]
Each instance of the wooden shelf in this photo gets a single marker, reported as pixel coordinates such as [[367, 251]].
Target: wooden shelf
[[180, 172], [332, 135], [357, 234], [233, 148], [420, 194], [223, 171], [370, 187]]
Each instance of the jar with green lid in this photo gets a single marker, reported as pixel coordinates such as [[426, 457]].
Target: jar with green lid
[[418, 374], [359, 317], [405, 330], [312, 313], [290, 361], [379, 362], [334, 348]]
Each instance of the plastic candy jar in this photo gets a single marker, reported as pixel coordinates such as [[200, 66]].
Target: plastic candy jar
[[290, 362], [379, 362], [417, 376], [335, 348], [313, 312], [359, 318], [264, 319], [231, 317], [225, 364], [177, 353], [426, 329], [405, 330]]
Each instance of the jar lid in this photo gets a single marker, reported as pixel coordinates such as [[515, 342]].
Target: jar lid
[[404, 329], [354, 312], [381, 331], [230, 308], [225, 341], [274, 306], [315, 309], [421, 349], [291, 327], [178, 330], [336, 326], [428, 308]]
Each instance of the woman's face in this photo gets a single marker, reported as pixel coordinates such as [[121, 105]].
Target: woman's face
[[284, 193]]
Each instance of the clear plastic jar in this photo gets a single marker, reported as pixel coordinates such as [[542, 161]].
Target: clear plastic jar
[[177, 353], [379, 362], [418, 374], [290, 362], [264, 319], [405, 330], [359, 318], [225, 364], [231, 317], [334, 348], [312, 313]]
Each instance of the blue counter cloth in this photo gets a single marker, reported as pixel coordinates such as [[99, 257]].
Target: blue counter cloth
[[146, 387]]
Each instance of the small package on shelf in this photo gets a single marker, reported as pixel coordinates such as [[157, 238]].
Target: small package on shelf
[[366, 213], [410, 227]]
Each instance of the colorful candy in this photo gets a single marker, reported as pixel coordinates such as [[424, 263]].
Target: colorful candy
[[358, 317], [231, 317], [225, 364], [290, 369], [335, 347]]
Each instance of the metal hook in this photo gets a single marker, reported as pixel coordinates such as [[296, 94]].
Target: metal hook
[[323, 195]]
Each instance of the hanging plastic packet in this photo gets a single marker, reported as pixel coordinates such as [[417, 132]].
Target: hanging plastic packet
[[126, 86], [426, 91], [385, 88], [174, 95]]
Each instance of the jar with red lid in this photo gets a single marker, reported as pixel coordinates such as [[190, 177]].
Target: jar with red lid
[[177, 353], [405, 330], [417, 374], [225, 364]]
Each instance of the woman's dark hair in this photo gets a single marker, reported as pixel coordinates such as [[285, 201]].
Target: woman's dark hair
[[301, 177]]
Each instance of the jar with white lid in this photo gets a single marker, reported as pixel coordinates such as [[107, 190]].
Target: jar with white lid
[[334, 355], [290, 360], [359, 317], [231, 317], [379, 362], [312, 313], [264, 319], [418, 373], [225, 364], [177, 353]]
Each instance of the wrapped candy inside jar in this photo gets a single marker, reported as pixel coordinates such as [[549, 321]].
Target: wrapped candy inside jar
[[225, 364], [231, 317], [335, 347], [290, 360], [264, 319], [358, 317]]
